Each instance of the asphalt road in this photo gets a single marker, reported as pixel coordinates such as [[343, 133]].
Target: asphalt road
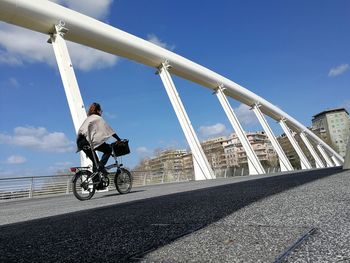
[[220, 221]]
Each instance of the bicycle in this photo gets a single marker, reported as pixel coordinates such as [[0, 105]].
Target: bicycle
[[85, 182]]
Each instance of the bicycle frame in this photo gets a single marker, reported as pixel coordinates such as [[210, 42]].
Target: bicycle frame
[[108, 167]]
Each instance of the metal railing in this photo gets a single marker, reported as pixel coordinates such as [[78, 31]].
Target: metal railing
[[36, 186]]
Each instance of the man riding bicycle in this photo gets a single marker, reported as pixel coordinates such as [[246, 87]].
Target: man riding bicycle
[[95, 132]]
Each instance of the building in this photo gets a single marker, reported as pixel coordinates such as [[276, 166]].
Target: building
[[168, 159], [214, 151], [231, 148], [291, 153], [221, 152], [236, 155], [333, 126], [187, 161], [168, 163]]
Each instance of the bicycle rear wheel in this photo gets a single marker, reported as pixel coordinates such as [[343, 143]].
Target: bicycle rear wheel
[[123, 181], [83, 188]]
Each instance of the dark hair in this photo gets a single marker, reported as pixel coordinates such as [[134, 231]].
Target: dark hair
[[95, 108]]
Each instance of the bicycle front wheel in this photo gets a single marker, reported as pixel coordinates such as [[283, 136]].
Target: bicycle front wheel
[[83, 187], [123, 181]]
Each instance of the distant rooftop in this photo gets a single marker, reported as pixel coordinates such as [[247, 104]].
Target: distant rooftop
[[330, 111]]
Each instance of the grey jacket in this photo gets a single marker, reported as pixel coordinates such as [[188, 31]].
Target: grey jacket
[[95, 130]]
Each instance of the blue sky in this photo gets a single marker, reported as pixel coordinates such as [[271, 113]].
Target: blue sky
[[295, 54]]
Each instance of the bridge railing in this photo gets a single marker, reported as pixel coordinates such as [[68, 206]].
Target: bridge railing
[[38, 186]]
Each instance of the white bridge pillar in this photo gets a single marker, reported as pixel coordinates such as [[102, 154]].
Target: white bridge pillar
[[201, 165], [336, 161], [325, 156], [283, 160], [318, 161], [254, 164], [71, 88], [305, 164]]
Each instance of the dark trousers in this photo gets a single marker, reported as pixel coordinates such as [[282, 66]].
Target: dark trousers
[[107, 151]]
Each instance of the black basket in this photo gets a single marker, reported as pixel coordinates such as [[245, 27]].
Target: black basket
[[121, 147]]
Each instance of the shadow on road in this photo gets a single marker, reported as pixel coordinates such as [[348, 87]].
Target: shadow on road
[[116, 194], [122, 232]]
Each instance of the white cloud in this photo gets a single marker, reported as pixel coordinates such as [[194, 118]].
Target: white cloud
[[25, 46], [245, 115], [38, 139], [8, 58], [214, 130], [143, 151], [97, 9], [16, 159], [85, 58], [155, 40], [336, 71]]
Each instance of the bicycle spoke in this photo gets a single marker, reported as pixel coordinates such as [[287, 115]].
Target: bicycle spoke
[[83, 189]]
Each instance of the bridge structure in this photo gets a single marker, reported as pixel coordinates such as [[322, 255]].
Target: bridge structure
[[62, 24], [300, 216]]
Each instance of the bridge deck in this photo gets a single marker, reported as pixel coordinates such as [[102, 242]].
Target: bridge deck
[[246, 219]]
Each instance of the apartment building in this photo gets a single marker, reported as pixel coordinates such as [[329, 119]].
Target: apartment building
[[333, 126], [214, 151], [187, 161], [168, 162], [290, 152], [221, 152], [236, 155], [231, 148]]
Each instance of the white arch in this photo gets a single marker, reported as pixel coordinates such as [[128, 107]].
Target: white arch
[[43, 15]]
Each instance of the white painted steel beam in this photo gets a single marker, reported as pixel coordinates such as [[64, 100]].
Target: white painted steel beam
[[43, 15], [254, 164], [283, 160], [318, 161], [336, 161], [305, 164], [325, 156], [70, 84], [201, 165]]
